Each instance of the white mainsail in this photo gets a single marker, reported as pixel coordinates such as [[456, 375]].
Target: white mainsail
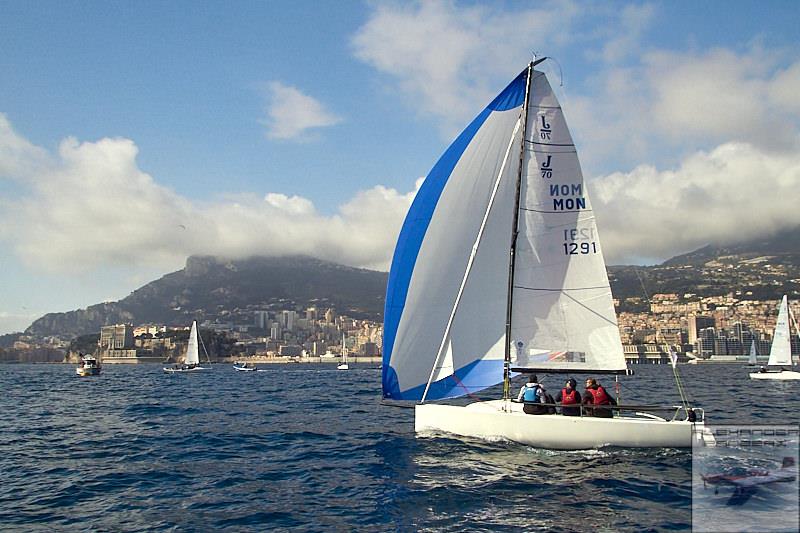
[[447, 296], [780, 354], [563, 311], [192, 352]]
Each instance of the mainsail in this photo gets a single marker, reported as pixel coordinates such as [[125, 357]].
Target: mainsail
[[192, 353], [563, 312], [448, 291], [780, 354]]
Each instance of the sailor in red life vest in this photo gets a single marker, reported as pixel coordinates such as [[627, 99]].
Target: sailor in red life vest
[[596, 395], [569, 396]]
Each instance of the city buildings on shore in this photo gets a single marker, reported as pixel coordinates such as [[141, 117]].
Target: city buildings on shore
[[272, 334], [719, 328]]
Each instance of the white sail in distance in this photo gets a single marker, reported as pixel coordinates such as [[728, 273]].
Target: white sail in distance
[[192, 352], [780, 354]]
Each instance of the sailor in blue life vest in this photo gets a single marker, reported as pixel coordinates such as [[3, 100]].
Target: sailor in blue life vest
[[569, 396], [532, 393], [597, 396]]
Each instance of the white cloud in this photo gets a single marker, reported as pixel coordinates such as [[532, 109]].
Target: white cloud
[[449, 59], [735, 192], [291, 114], [621, 39], [91, 207], [669, 104]]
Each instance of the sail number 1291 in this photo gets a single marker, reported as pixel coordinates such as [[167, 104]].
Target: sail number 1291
[[579, 241], [574, 248]]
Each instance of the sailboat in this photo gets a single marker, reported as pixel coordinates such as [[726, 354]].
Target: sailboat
[[500, 249], [752, 360], [192, 360], [779, 365], [343, 364]]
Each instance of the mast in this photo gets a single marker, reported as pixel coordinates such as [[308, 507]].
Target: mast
[[514, 233]]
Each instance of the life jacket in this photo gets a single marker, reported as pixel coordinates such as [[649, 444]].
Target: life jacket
[[531, 393], [600, 397], [568, 398]]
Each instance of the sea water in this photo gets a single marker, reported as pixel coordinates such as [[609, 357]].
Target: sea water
[[298, 447]]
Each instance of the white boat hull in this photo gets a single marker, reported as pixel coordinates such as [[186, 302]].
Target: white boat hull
[[182, 370], [489, 420], [343, 366], [784, 375]]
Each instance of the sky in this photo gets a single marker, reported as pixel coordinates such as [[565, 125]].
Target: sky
[[136, 134]]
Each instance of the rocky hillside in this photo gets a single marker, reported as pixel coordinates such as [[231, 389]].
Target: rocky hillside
[[210, 287]]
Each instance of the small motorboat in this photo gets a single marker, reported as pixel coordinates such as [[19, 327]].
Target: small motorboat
[[89, 366], [242, 366]]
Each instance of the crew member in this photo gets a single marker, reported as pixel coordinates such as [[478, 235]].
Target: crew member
[[596, 396], [533, 395], [569, 396]]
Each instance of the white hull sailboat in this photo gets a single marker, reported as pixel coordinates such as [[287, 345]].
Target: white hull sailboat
[[498, 419], [192, 359], [500, 248], [343, 364], [779, 365]]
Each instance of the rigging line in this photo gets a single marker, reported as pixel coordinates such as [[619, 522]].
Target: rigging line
[[557, 290], [460, 384], [554, 212], [573, 151], [512, 250], [550, 144], [612, 322], [678, 381], [471, 259]]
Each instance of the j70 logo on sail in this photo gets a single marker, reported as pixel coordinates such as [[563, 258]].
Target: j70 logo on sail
[[547, 168], [544, 132]]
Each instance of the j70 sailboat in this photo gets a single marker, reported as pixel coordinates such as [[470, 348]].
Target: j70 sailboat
[[192, 359], [500, 246]]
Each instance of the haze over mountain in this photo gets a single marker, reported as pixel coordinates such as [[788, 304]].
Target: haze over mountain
[[211, 287]]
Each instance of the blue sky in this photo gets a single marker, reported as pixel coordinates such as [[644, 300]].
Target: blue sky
[[133, 134]]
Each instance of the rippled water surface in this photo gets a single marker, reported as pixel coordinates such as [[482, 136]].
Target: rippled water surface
[[311, 448]]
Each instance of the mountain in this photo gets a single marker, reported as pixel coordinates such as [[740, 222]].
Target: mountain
[[210, 287], [760, 269], [784, 247], [231, 291]]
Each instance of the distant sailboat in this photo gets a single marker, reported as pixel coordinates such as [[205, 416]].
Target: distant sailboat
[[192, 359], [343, 365], [779, 365], [752, 360], [500, 246]]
